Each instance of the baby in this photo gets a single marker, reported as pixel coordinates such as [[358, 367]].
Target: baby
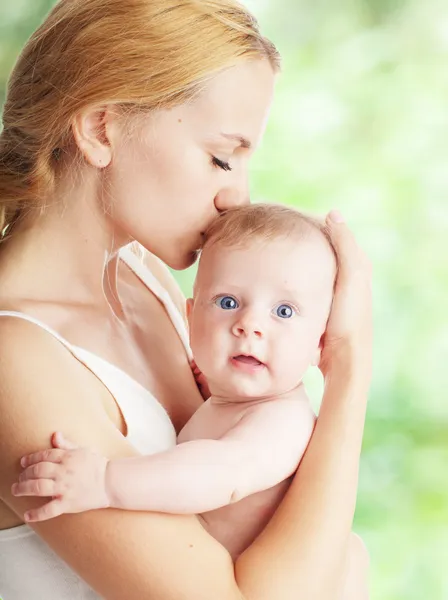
[[261, 301]]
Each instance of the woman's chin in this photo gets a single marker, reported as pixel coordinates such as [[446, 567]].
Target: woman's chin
[[179, 263]]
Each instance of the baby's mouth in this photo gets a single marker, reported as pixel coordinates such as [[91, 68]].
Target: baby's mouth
[[248, 360]]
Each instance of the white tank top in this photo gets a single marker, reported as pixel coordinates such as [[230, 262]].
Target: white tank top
[[29, 569]]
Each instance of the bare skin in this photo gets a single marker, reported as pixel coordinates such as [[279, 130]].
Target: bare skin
[[269, 300], [105, 308], [62, 269]]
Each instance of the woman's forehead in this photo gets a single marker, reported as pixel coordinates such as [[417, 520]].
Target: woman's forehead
[[236, 100], [232, 108]]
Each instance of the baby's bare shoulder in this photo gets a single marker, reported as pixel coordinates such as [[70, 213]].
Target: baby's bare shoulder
[[280, 409], [210, 421]]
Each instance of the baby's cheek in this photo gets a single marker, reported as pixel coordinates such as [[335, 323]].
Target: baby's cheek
[[291, 365], [205, 350]]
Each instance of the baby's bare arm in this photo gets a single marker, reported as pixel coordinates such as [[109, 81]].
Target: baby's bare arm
[[197, 476], [277, 435], [120, 554]]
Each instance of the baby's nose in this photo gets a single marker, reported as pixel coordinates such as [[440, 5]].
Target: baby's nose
[[248, 326]]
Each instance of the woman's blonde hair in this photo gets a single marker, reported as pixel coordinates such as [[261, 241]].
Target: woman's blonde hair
[[137, 54]]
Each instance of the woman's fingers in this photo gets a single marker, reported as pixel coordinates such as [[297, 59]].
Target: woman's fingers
[[201, 381], [350, 323], [348, 252], [52, 509], [50, 455], [195, 368]]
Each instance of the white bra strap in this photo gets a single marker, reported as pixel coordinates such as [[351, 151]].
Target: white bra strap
[[25, 317], [154, 285], [148, 279]]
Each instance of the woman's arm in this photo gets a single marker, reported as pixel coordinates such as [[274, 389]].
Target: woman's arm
[[121, 554], [306, 541], [299, 556]]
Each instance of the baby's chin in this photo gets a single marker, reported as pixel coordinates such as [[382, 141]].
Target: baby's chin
[[247, 389], [244, 392]]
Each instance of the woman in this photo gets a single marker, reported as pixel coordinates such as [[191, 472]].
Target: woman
[[134, 121]]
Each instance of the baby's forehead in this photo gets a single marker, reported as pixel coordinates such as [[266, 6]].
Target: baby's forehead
[[309, 240], [297, 256]]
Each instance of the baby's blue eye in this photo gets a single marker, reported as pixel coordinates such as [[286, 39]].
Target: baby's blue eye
[[226, 302], [284, 311]]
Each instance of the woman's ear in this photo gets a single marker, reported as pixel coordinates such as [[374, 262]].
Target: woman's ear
[[92, 135]]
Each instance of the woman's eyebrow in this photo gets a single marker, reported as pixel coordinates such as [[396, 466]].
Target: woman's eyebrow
[[244, 142]]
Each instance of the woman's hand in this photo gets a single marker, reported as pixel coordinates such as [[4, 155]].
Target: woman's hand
[[201, 381], [74, 477], [347, 342]]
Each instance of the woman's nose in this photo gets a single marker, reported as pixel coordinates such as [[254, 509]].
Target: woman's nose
[[233, 195]]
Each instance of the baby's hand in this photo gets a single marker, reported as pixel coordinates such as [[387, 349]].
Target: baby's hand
[[74, 477], [201, 381]]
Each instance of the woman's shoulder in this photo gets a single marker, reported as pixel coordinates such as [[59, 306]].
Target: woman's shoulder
[[22, 341], [43, 389], [39, 377]]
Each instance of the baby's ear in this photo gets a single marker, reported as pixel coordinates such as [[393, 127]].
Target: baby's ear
[[189, 308], [316, 358]]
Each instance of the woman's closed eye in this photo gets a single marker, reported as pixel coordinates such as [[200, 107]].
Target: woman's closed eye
[[217, 162]]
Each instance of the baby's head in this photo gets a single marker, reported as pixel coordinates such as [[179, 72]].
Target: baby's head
[[261, 301]]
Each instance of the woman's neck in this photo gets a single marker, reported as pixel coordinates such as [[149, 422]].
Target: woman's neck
[[69, 252]]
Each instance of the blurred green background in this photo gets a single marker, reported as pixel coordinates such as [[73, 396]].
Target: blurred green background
[[360, 123]]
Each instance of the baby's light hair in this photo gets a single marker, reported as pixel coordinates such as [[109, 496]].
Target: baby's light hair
[[240, 226]]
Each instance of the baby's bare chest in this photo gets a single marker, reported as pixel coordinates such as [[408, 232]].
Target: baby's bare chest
[[236, 526], [211, 422]]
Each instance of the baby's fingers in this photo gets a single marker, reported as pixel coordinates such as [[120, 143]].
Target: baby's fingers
[[35, 487], [52, 509], [60, 441], [42, 470], [52, 455]]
